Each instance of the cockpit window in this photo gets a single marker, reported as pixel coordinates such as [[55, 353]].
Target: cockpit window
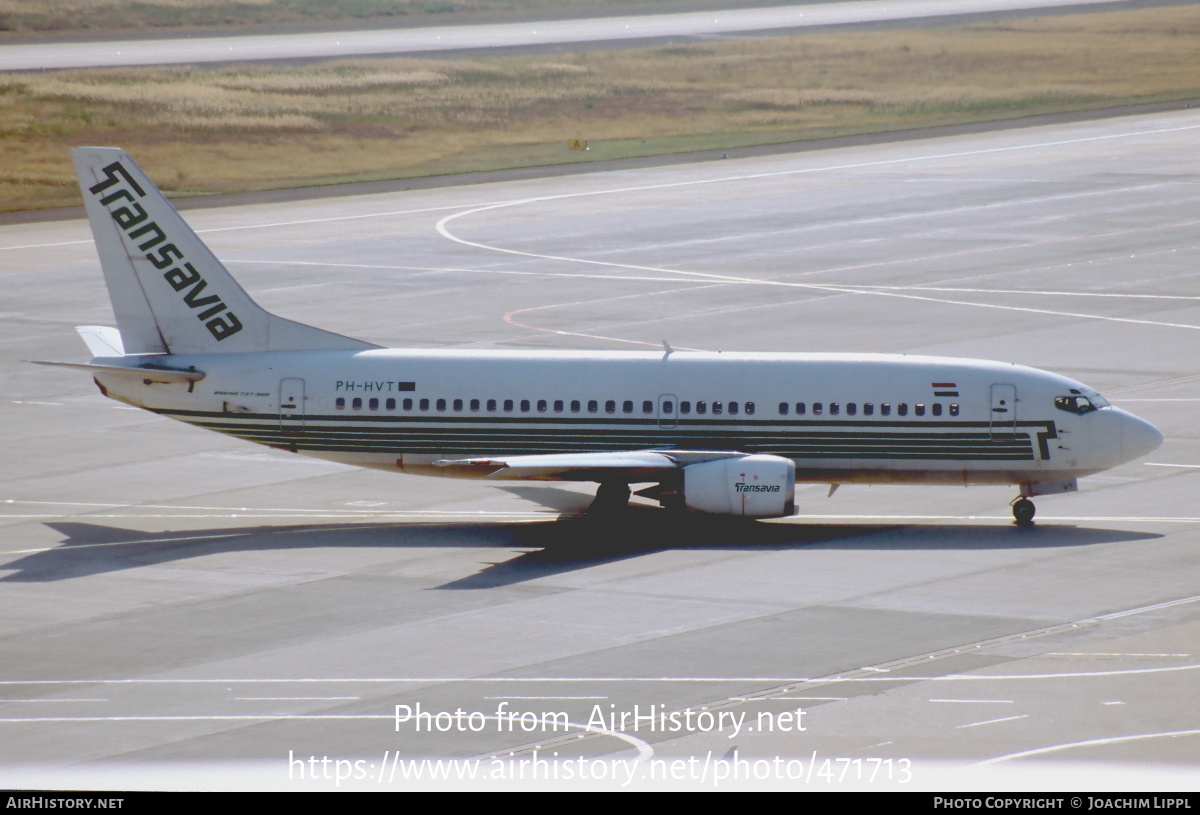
[[1080, 404]]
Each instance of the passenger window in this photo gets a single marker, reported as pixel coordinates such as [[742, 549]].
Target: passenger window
[[869, 409], [954, 408], [685, 407], [817, 408], [902, 409], [800, 409], [542, 406], [937, 408], [718, 408], [593, 406], [885, 409], [627, 406], [783, 408], [458, 404], [610, 406], [575, 407], [373, 403], [508, 405], [390, 404], [834, 408], [340, 403], [702, 407], [474, 405], [423, 404], [851, 409], [491, 404], [749, 408], [733, 408], [919, 408], [407, 404], [524, 405], [647, 406], [357, 403], [668, 408], [558, 406], [441, 404]]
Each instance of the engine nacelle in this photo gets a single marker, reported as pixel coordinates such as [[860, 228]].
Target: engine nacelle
[[749, 486]]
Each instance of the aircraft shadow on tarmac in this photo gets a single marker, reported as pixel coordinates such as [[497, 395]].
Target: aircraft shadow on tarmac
[[572, 541]]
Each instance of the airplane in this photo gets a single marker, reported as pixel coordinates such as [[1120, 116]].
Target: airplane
[[721, 433]]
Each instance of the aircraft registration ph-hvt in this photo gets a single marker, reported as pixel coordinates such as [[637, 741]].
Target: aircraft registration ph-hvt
[[723, 433]]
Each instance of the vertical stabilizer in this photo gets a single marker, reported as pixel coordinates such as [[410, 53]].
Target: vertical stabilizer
[[170, 293]]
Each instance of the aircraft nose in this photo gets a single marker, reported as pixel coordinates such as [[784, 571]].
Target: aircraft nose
[[1138, 437]]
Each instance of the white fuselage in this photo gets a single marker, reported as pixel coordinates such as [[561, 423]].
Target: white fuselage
[[727, 434], [842, 418]]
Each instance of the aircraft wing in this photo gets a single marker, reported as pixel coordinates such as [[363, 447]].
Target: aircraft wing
[[629, 466]]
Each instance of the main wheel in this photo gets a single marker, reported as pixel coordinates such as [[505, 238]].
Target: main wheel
[[1023, 512], [612, 496]]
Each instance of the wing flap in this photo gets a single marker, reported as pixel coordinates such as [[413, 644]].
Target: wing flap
[[630, 466], [633, 466]]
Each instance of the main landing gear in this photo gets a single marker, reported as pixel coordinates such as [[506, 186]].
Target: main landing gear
[[1023, 511], [611, 498]]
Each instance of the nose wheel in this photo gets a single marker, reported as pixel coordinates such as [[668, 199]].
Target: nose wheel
[[1023, 511]]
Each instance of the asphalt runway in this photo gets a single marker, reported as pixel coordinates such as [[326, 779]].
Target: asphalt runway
[[180, 609], [525, 34]]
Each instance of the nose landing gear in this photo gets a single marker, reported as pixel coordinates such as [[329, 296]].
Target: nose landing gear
[[1023, 511]]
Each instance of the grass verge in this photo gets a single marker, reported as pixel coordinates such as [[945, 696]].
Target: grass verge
[[245, 127]]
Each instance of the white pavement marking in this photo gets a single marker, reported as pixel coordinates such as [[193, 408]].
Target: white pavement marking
[[576, 698], [444, 229], [1041, 751], [686, 680], [993, 721], [976, 701], [444, 270], [296, 698], [268, 225]]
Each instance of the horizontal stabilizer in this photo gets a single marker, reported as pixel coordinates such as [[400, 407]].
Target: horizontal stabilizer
[[151, 374]]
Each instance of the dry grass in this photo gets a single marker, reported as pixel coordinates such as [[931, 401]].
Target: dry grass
[[251, 127]]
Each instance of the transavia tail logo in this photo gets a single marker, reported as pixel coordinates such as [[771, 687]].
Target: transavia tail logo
[[132, 221], [742, 486]]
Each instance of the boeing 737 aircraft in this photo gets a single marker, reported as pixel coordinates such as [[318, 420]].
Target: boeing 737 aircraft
[[725, 433]]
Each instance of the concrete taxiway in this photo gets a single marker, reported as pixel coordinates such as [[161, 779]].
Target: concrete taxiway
[[183, 609]]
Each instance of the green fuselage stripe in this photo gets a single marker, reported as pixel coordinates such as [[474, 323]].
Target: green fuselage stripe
[[808, 439]]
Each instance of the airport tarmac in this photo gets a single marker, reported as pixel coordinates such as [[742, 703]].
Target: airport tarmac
[[181, 609]]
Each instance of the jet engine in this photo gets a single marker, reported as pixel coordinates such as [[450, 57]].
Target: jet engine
[[747, 486]]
